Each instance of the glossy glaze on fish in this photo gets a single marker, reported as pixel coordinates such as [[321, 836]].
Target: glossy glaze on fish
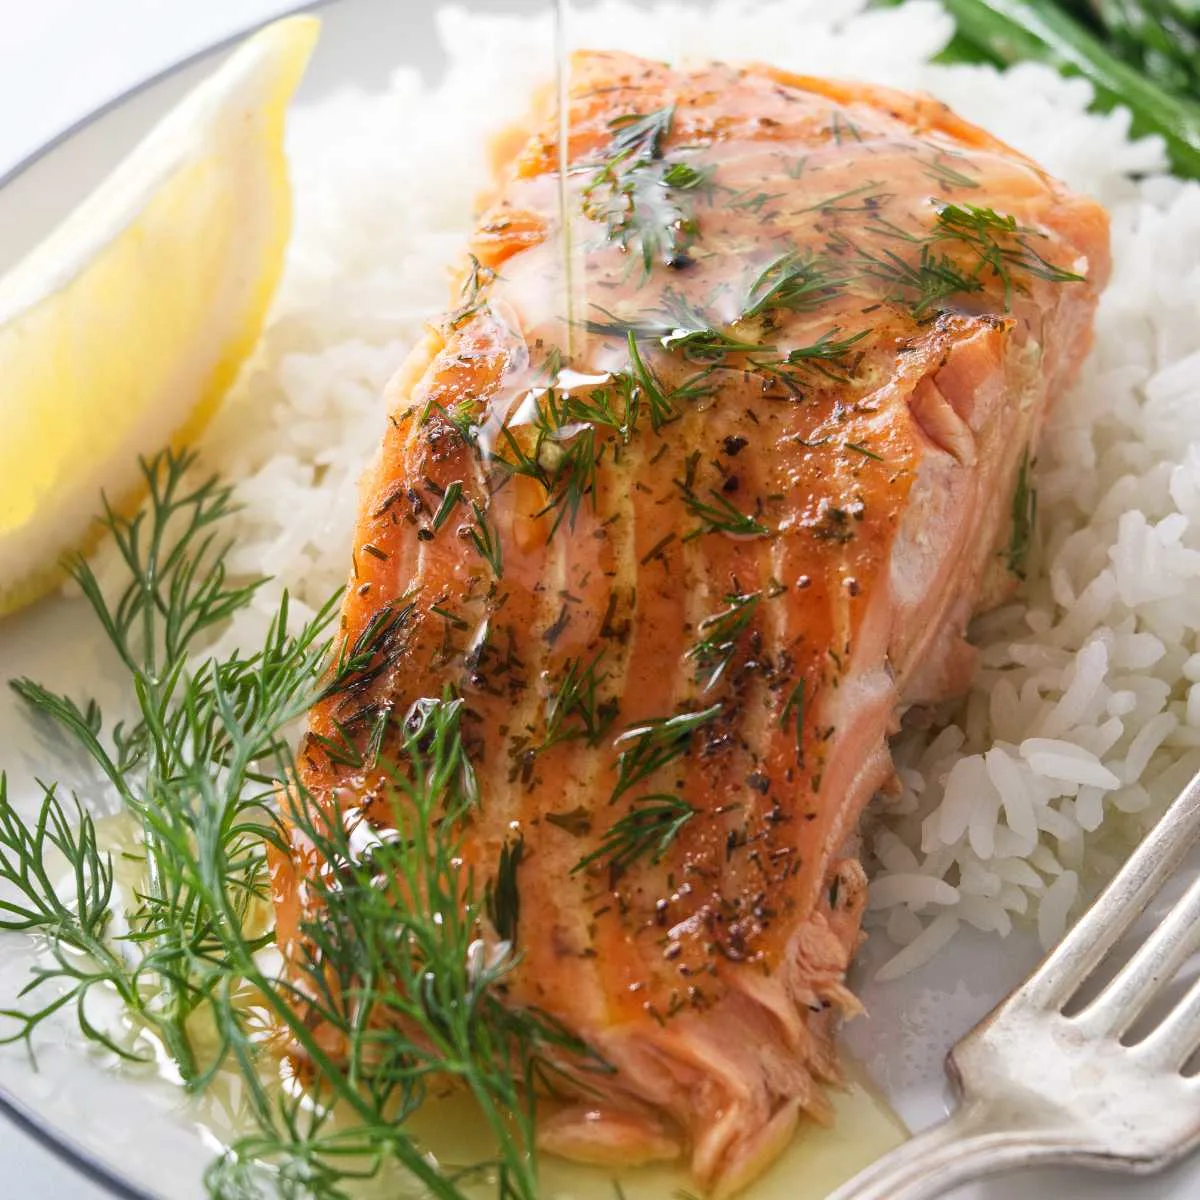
[[757, 486]]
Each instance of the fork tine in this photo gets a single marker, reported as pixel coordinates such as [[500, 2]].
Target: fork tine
[[1119, 905], [1177, 1038], [1150, 970]]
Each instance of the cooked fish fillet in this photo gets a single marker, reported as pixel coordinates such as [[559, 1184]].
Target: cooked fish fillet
[[757, 480]]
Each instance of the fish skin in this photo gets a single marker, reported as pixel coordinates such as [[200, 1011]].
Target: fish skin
[[712, 979]]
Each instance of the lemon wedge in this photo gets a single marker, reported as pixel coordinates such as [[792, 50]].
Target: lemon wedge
[[120, 333]]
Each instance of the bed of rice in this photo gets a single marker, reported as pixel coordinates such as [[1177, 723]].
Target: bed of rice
[[1084, 717]]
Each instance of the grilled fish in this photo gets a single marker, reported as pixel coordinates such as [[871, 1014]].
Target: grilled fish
[[688, 501]]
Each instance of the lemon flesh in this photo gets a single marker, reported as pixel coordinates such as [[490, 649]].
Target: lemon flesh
[[121, 332]]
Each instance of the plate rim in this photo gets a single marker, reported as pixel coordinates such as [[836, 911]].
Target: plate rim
[[243, 30]]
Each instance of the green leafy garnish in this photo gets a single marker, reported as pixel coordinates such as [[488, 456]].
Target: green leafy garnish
[[502, 899], [1000, 244], [574, 709], [646, 831], [392, 973], [720, 633], [646, 748], [1023, 513], [639, 194], [795, 282]]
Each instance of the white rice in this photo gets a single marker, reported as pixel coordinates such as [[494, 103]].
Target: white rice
[[1084, 716]]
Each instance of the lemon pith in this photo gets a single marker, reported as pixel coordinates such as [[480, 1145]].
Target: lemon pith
[[121, 332]]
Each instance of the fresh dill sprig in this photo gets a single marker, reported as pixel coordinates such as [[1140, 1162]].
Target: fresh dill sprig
[[399, 970], [1023, 515], [75, 926], [677, 325], [450, 499], [939, 170], [574, 709], [923, 284], [486, 540], [793, 281], [1000, 244], [793, 713], [639, 195], [502, 897], [646, 831], [720, 633], [478, 278], [387, 965], [653, 744], [179, 593], [717, 515]]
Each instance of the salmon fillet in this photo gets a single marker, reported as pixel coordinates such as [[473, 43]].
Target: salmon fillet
[[688, 552]]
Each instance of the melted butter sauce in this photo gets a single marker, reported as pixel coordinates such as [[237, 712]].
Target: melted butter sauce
[[817, 1161], [452, 1129]]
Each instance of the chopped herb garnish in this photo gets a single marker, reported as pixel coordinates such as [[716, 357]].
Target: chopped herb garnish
[[942, 172], [575, 710], [720, 633], [562, 459], [754, 201], [1024, 515], [646, 831], [450, 618], [859, 448], [827, 348], [655, 743], [718, 515], [1000, 243], [577, 822], [793, 281], [450, 499], [923, 285], [679, 326], [841, 127], [477, 279], [486, 540], [646, 384], [793, 713], [460, 416], [502, 898], [635, 191], [685, 176], [871, 200]]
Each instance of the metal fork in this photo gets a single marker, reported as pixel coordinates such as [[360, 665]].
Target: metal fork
[[1039, 1087]]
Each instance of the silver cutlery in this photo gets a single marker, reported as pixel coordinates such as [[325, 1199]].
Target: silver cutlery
[[1038, 1086]]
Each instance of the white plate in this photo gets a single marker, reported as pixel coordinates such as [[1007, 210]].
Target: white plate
[[134, 1136]]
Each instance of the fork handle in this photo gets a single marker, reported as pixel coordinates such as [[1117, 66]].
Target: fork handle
[[970, 1144]]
